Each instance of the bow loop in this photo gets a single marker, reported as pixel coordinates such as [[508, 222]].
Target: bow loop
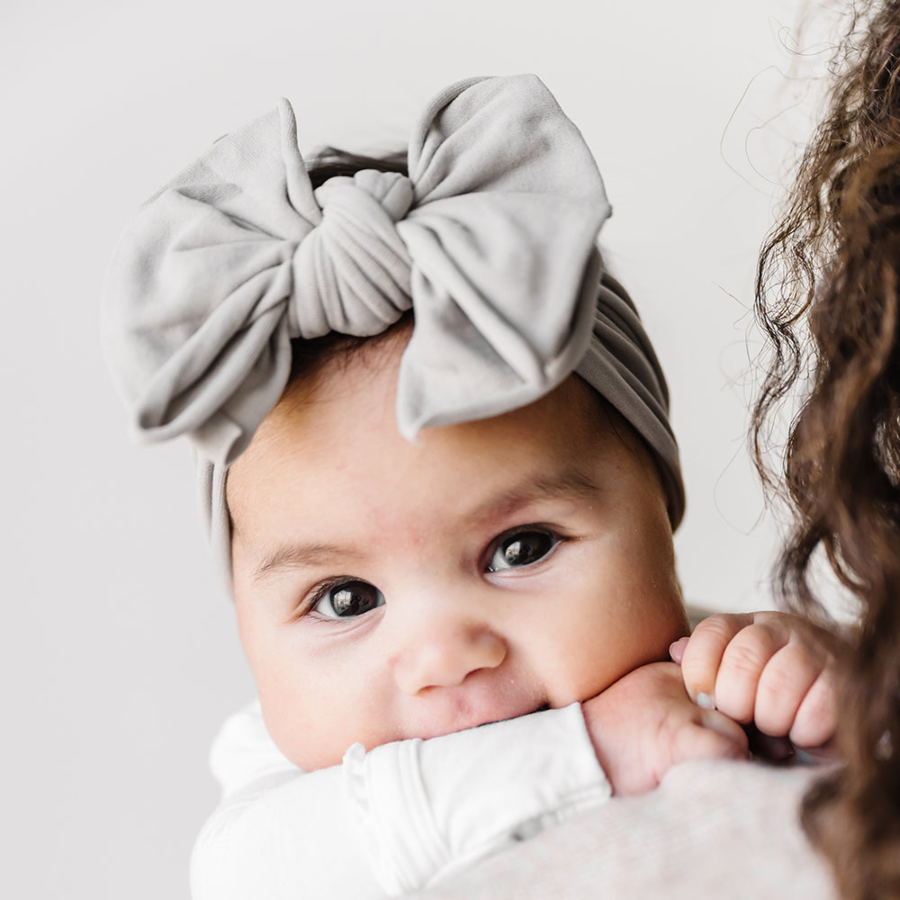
[[195, 297], [351, 274], [509, 202]]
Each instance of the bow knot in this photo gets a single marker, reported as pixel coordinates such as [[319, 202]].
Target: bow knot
[[352, 272]]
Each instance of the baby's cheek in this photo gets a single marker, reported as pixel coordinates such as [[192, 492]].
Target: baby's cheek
[[662, 620], [608, 650], [656, 607], [304, 734], [577, 667], [314, 717]]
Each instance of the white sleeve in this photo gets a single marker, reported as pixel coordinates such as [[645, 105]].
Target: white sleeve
[[393, 820]]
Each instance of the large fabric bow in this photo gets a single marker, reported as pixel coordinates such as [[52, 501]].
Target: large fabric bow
[[491, 240]]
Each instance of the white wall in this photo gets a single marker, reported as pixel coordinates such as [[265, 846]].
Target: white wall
[[119, 652]]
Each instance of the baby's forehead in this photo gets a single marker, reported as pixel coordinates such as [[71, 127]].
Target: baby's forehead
[[334, 438]]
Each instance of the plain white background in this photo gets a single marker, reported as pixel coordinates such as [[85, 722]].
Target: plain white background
[[119, 652]]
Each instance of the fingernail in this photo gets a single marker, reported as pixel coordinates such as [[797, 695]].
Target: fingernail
[[706, 701], [676, 649]]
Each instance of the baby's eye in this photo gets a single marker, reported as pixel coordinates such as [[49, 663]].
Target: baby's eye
[[348, 599], [521, 549]]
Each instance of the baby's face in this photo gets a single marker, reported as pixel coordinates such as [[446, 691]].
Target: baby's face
[[386, 590]]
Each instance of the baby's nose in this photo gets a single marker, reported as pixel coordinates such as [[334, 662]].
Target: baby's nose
[[446, 655]]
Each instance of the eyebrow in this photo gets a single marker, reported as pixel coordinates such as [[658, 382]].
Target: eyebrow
[[569, 483], [300, 555]]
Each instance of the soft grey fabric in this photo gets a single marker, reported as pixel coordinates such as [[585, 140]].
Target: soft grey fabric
[[621, 365], [491, 241]]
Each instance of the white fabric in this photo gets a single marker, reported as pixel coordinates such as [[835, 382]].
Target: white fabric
[[713, 829], [396, 819]]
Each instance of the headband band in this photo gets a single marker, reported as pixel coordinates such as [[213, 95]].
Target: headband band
[[490, 240]]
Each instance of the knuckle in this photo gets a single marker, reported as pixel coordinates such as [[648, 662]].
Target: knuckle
[[779, 621], [782, 689], [748, 653], [785, 675], [721, 625], [709, 640], [816, 719]]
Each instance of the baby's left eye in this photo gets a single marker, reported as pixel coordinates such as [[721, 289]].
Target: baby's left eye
[[521, 549]]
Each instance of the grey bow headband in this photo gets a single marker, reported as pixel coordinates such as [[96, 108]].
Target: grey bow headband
[[491, 241]]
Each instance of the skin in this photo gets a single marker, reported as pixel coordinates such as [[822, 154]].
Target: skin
[[330, 490], [765, 668], [330, 502]]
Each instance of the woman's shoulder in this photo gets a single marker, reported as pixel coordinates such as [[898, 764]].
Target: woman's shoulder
[[713, 828]]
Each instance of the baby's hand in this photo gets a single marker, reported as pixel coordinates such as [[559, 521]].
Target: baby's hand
[[645, 723], [755, 668]]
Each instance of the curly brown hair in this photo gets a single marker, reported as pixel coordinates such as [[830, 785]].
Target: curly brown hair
[[827, 296]]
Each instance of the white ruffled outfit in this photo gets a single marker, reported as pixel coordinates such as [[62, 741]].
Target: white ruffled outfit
[[397, 819]]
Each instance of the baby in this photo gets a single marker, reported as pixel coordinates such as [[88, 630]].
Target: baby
[[439, 474]]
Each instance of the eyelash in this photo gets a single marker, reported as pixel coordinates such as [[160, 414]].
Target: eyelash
[[555, 537], [319, 592], [324, 587]]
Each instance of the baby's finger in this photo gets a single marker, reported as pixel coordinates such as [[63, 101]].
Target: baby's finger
[[783, 686], [676, 650], [714, 737], [743, 662], [701, 658], [713, 720], [816, 720]]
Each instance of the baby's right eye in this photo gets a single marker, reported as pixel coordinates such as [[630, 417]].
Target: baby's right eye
[[348, 599]]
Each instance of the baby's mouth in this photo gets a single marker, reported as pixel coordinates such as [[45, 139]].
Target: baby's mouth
[[542, 708], [470, 714]]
